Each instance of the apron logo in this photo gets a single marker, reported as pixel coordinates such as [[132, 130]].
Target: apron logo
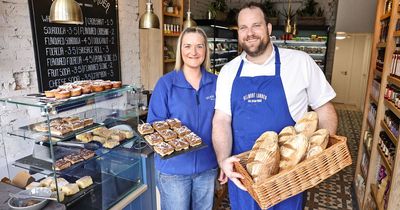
[[210, 97], [255, 97]]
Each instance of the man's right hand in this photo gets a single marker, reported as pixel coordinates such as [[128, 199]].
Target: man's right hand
[[227, 168]]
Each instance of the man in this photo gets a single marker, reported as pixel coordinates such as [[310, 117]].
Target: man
[[264, 89]]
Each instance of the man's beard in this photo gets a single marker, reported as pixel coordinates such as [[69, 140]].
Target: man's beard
[[260, 49]]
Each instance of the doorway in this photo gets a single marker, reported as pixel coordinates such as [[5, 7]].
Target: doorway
[[350, 69]]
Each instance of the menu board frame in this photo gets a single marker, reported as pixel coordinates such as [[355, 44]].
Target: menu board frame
[[69, 52]]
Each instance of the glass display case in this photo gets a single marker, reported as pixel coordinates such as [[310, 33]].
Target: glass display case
[[222, 40], [60, 141], [310, 39]]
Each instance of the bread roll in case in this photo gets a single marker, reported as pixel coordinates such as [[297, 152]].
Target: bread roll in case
[[293, 151], [264, 157], [308, 124]]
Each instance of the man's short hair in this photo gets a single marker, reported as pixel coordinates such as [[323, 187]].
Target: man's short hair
[[253, 5]]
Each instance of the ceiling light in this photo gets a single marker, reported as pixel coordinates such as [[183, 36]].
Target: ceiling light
[[66, 12], [149, 19]]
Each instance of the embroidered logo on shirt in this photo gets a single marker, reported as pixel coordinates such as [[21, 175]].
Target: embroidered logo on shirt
[[255, 97], [210, 97]]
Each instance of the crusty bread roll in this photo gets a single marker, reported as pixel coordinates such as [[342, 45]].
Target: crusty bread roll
[[286, 134], [319, 138], [313, 151], [307, 124], [293, 151], [264, 156]]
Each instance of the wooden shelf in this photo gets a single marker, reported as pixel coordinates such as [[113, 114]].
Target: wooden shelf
[[381, 45], [385, 160], [374, 191], [169, 60], [171, 35], [393, 80], [389, 133], [392, 107], [396, 33], [385, 16], [171, 15]]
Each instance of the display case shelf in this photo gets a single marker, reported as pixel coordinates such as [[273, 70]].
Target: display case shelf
[[394, 81], [385, 160], [385, 16], [374, 191], [389, 133], [392, 107]]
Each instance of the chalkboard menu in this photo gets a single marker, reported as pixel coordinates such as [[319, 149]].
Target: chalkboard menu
[[68, 52]]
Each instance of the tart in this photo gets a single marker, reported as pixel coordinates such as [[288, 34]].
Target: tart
[[174, 123], [193, 139], [163, 149], [111, 144], [61, 164], [62, 94], [70, 189], [153, 139], [168, 134], [60, 130], [182, 131], [76, 91], [86, 154], [145, 128], [96, 87], [87, 88], [116, 84], [73, 158], [41, 127], [179, 144], [160, 125], [87, 121]]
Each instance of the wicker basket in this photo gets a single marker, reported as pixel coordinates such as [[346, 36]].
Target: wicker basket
[[303, 176]]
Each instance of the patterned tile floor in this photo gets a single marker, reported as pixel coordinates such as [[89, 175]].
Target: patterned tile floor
[[336, 192]]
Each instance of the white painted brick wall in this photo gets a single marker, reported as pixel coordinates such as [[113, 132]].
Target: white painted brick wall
[[18, 69]]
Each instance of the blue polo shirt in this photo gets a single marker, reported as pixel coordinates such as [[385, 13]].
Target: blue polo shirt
[[174, 97]]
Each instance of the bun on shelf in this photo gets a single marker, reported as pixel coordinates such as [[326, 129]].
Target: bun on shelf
[[84, 182], [263, 160]]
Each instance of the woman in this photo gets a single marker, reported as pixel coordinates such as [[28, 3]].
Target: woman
[[187, 181]]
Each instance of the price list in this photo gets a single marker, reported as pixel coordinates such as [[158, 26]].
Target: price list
[[68, 53]]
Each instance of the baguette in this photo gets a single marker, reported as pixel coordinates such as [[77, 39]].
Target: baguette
[[307, 125], [264, 156], [293, 151]]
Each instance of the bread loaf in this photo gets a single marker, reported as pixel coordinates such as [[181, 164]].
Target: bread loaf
[[264, 156], [286, 134], [293, 151], [319, 138], [313, 151], [307, 124]]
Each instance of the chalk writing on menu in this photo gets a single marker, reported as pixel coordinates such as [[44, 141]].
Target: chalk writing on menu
[[69, 52]]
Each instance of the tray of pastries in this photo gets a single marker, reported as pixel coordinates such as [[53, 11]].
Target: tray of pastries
[[62, 128], [107, 137], [170, 138], [71, 159], [78, 88]]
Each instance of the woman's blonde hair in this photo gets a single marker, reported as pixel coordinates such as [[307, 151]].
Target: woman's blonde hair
[[179, 61]]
